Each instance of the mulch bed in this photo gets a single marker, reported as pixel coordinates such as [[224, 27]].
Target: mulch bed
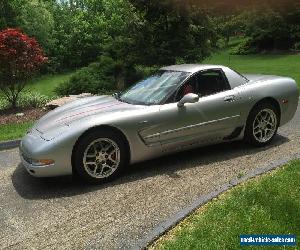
[[30, 114]]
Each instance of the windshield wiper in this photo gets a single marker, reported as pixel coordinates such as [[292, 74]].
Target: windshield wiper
[[118, 97]]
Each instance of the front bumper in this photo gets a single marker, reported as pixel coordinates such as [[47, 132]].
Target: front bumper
[[39, 171], [33, 146]]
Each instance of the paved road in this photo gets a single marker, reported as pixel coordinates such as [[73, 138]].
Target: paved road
[[61, 213]]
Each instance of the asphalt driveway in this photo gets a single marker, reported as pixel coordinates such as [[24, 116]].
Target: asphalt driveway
[[61, 213]]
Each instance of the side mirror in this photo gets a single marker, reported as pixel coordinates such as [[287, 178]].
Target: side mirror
[[189, 98]]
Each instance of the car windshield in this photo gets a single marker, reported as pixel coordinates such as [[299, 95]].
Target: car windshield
[[154, 89]]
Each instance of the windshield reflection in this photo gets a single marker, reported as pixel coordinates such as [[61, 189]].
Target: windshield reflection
[[154, 89]]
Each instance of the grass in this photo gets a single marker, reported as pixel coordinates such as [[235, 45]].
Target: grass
[[284, 64], [45, 85], [14, 130], [269, 204]]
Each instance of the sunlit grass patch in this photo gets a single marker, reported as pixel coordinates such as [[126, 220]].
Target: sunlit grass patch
[[269, 204]]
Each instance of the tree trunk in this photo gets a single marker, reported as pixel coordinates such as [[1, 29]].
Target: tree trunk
[[120, 81], [227, 40], [14, 103]]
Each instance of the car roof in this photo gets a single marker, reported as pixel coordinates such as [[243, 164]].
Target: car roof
[[192, 68]]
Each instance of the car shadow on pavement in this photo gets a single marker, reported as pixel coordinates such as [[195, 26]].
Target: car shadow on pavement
[[30, 187]]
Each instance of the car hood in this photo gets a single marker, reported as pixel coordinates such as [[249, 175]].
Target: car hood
[[81, 108]]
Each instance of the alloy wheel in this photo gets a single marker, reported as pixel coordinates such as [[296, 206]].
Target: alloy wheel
[[101, 158], [264, 125]]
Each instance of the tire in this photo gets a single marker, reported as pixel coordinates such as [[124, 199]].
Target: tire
[[259, 131], [94, 159]]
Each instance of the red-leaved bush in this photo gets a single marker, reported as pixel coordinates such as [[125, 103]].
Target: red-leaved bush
[[20, 58]]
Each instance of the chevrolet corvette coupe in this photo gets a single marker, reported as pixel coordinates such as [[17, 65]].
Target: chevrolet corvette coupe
[[178, 108]]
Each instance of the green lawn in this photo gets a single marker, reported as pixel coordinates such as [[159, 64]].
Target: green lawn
[[45, 85], [14, 130], [269, 204], [284, 65]]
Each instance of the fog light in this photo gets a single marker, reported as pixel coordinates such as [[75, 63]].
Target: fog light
[[42, 162]]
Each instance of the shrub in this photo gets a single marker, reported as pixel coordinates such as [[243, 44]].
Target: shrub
[[27, 100], [244, 48], [96, 78], [20, 58], [270, 28], [32, 100], [103, 77], [3, 103]]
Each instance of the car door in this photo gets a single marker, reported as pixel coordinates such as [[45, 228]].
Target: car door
[[213, 117]]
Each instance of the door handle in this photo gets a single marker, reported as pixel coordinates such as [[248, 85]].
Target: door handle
[[230, 98]]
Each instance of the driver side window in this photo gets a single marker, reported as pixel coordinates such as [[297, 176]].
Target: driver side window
[[204, 83], [191, 86]]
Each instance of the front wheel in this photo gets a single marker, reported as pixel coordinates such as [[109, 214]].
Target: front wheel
[[99, 156], [262, 124]]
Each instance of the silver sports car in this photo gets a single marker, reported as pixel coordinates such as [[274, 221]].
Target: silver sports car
[[178, 108]]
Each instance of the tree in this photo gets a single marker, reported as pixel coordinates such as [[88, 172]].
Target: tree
[[173, 31], [8, 13], [34, 17], [20, 57], [267, 27], [37, 21], [229, 25]]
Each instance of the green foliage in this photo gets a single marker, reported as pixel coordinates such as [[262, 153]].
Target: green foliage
[[102, 77], [82, 34], [37, 21], [9, 10], [32, 16], [75, 33], [98, 77], [244, 48], [270, 28], [144, 71], [32, 100], [267, 30], [229, 26], [26, 99], [4, 104], [173, 31]]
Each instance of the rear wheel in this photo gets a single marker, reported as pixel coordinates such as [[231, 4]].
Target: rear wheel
[[100, 156], [262, 124]]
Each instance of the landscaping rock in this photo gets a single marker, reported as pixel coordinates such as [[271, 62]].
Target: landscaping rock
[[66, 99]]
